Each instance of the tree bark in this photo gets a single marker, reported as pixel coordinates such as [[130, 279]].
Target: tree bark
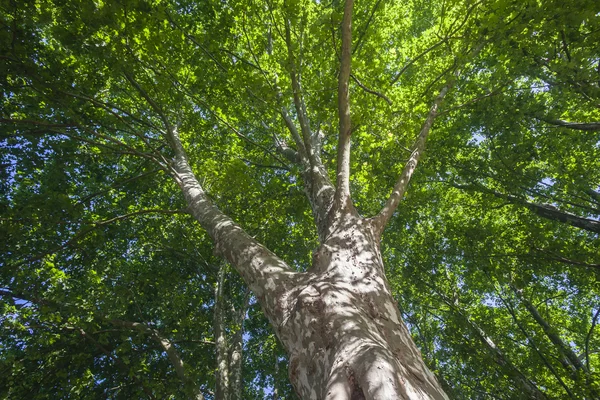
[[236, 349], [222, 373], [343, 329], [338, 322]]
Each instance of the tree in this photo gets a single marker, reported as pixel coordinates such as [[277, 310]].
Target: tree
[[126, 122]]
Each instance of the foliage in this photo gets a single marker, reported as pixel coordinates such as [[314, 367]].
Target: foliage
[[94, 230]]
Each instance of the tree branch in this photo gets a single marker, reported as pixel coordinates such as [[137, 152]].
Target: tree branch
[[371, 91], [269, 277], [168, 348], [342, 194], [588, 337], [364, 31], [543, 210], [117, 361], [318, 186], [580, 126], [381, 220]]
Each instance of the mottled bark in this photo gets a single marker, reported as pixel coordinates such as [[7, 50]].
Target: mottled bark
[[343, 329], [338, 322]]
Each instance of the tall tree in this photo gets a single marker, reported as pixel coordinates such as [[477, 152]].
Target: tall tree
[[126, 123]]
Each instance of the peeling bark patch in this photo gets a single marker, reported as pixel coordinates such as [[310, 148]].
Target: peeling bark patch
[[356, 391]]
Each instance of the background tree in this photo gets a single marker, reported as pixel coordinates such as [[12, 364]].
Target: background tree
[[110, 289]]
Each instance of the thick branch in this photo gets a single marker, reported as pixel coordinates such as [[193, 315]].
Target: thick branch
[[543, 210], [580, 126], [381, 220], [318, 186], [298, 101], [342, 195], [269, 277], [295, 135]]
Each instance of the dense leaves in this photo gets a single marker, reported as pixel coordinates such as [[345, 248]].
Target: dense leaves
[[493, 254]]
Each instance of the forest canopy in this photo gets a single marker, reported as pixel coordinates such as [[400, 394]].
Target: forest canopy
[[111, 285]]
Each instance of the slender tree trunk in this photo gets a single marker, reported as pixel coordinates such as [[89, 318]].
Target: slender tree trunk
[[498, 355], [236, 354], [235, 366], [222, 373], [516, 375], [569, 356]]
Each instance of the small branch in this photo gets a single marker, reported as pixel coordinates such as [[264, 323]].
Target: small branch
[[543, 210], [116, 360], [81, 234], [116, 185], [411, 62], [366, 89], [364, 31], [564, 43], [193, 40], [36, 123]]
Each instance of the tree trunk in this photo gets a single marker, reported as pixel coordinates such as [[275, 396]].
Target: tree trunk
[[222, 373], [568, 356], [521, 381], [343, 330], [236, 352]]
